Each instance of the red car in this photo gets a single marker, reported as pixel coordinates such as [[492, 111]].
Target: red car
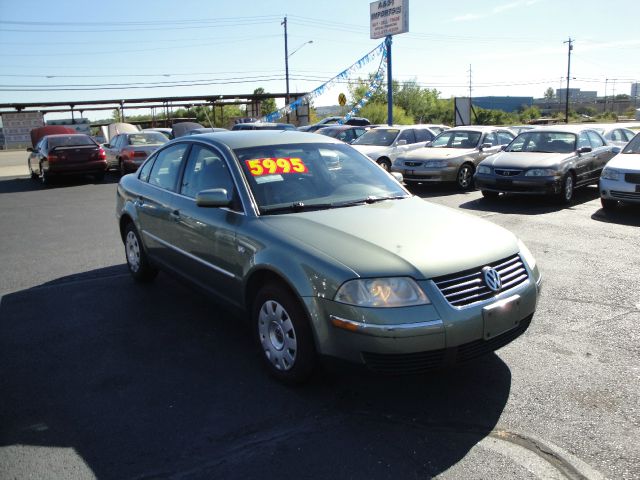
[[56, 153]]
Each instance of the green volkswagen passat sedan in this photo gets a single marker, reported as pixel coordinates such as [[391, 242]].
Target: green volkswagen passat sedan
[[325, 253]]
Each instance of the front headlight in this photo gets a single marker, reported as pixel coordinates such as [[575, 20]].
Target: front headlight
[[382, 292], [611, 174], [540, 172], [435, 163], [527, 255], [482, 169]]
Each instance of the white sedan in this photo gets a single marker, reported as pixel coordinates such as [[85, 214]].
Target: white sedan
[[620, 178]]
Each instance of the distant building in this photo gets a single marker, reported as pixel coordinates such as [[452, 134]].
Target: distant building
[[576, 95], [635, 90], [506, 104]]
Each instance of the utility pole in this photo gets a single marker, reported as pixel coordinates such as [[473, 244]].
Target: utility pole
[[566, 106], [286, 63], [470, 106], [606, 82]]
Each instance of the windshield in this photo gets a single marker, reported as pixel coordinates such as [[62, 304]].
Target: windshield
[[456, 139], [378, 136], [314, 175], [633, 146], [147, 138], [544, 142]]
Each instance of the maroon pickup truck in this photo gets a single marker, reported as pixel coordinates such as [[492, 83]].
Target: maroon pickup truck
[[61, 154]]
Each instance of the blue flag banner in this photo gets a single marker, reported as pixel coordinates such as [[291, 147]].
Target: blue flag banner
[[292, 107], [377, 81]]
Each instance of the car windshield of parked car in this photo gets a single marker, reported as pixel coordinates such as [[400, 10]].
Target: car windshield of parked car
[[70, 141], [456, 139], [544, 142], [633, 146], [311, 176], [378, 136], [147, 138]]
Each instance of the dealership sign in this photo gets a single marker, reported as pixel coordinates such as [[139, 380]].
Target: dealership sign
[[388, 17]]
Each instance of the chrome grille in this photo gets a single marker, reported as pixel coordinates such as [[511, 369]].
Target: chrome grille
[[625, 195], [507, 172], [632, 177], [467, 287]]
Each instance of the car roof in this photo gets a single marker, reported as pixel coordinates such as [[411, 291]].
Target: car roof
[[258, 138], [477, 128]]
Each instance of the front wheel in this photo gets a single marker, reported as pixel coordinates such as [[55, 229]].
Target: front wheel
[[139, 267], [608, 204], [464, 179], [283, 334], [33, 174], [566, 194], [45, 178]]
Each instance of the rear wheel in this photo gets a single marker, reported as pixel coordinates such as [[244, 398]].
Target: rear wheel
[[283, 334], [33, 174], [385, 163], [121, 168], [139, 267], [608, 204], [464, 179]]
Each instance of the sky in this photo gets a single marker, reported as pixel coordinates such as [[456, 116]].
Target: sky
[[69, 50]]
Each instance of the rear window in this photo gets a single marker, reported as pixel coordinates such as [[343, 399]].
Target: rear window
[[149, 138], [70, 141]]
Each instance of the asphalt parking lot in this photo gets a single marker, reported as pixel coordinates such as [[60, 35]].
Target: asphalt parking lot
[[102, 377]]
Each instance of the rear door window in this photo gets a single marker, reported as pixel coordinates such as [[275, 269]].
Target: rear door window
[[166, 168], [596, 140]]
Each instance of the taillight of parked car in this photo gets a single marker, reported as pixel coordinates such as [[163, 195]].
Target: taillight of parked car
[[52, 158], [132, 154], [102, 155]]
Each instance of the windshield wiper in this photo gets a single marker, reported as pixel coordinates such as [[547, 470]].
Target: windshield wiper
[[370, 199], [296, 207]]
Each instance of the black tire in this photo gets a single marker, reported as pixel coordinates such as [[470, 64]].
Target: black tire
[[489, 195], [121, 168], [99, 177], [139, 267], [565, 197], [609, 204], [384, 163], [283, 334], [464, 177]]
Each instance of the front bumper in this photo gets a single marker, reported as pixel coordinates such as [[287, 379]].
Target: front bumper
[[418, 338], [427, 175], [522, 185], [619, 190]]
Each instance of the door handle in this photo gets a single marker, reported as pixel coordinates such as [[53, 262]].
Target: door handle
[[175, 214]]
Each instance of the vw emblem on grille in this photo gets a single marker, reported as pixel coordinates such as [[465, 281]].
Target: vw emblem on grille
[[492, 278]]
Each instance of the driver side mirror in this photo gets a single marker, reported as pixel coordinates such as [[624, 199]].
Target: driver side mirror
[[584, 149], [398, 176], [402, 142], [106, 145], [30, 149], [213, 198], [485, 145], [503, 147]]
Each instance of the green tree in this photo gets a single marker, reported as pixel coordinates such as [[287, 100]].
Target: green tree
[[376, 112], [267, 105], [549, 94]]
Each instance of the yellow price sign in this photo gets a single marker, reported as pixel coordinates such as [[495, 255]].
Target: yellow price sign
[[271, 166]]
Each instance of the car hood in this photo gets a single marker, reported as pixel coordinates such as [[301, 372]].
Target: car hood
[[409, 237], [372, 150], [38, 133], [430, 153], [625, 161], [525, 159]]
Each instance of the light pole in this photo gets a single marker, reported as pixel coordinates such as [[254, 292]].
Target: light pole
[[286, 60], [566, 107]]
